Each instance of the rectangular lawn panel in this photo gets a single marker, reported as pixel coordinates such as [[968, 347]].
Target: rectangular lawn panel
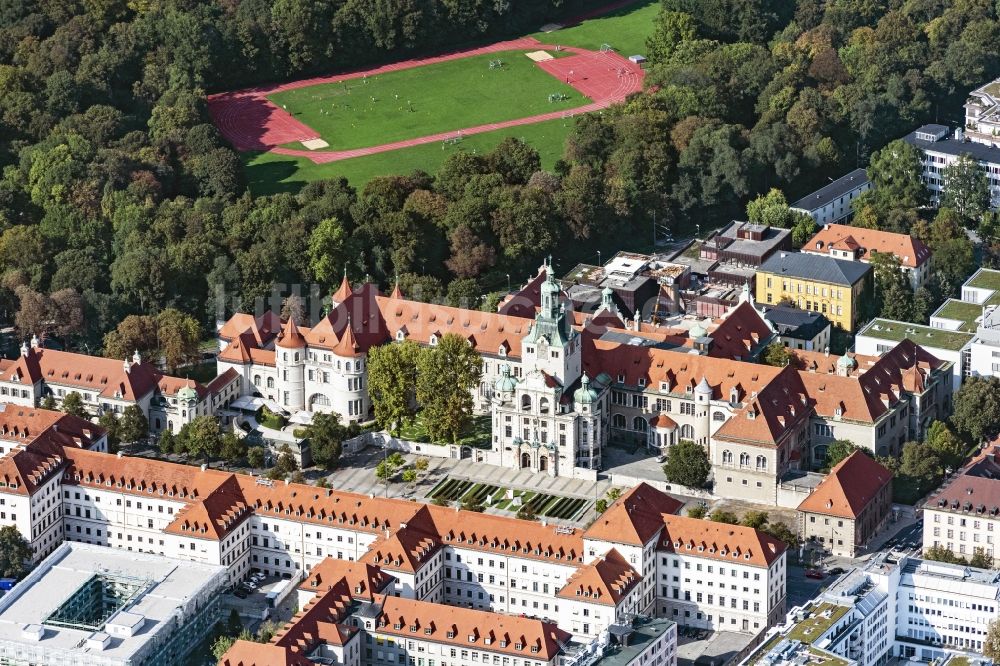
[[442, 97]]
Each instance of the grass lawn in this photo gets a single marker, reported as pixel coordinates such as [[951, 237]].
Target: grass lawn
[[268, 173], [441, 97], [477, 433], [625, 30]]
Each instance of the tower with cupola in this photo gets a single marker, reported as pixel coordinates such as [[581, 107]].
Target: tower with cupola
[[552, 345]]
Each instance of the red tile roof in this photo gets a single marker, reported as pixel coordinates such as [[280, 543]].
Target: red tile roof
[[849, 487], [607, 580], [290, 336], [874, 387], [262, 328], [719, 541], [911, 251], [363, 580], [741, 332], [452, 625], [635, 517]]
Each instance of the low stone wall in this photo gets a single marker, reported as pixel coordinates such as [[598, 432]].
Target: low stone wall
[[626, 481], [386, 440]]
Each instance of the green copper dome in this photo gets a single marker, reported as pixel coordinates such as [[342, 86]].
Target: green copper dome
[[846, 361], [187, 394], [506, 383], [585, 395]]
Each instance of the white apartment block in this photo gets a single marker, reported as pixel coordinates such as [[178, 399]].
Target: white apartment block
[[963, 516], [581, 581], [893, 606], [940, 152], [833, 202]]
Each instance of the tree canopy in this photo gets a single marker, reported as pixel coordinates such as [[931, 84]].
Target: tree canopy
[[687, 464]]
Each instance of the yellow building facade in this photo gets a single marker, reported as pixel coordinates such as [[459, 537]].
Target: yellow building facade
[[811, 283]]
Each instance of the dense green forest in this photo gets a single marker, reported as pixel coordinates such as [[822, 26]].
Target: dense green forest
[[119, 197]]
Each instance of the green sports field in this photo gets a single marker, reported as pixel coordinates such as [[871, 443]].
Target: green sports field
[[268, 173], [420, 101]]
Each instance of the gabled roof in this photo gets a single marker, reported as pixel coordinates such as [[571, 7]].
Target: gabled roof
[[215, 516], [105, 376], [488, 331], [721, 541], [262, 329], [635, 517], [407, 549], [873, 387], [363, 580], [911, 251], [741, 333], [607, 580], [523, 302], [849, 487], [453, 625], [249, 653], [765, 418]]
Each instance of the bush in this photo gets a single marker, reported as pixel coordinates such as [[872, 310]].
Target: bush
[[269, 419]]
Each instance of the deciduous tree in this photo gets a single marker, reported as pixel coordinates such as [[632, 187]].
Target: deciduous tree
[[687, 464], [15, 552], [392, 382], [447, 373]]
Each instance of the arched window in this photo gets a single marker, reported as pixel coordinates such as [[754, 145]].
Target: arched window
[[525, 403], [727, 457], [543, 405], [744, 460], [761, 462], [433, 341], [640, 424], [400, 335], [718, 416], [619, 421], [687, 431], [296, 357], [270, 382], [347, 366], [284, 356], [318, 400], [256, 380]]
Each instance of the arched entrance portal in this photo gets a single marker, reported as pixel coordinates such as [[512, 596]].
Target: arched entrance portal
[[543, 463], [525, 460]]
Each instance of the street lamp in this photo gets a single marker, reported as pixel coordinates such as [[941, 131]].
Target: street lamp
[[508, 281], [598, 257]]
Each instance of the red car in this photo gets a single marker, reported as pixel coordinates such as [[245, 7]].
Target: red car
[[815, 573]]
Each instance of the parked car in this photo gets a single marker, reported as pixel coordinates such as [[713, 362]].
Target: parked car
[[240, 592], [814, 573], [836, 571]]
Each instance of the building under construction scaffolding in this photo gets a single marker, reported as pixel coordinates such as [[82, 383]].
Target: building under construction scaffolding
[[100, 606]]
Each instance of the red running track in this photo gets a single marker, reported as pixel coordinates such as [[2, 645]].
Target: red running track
[[252, 122]]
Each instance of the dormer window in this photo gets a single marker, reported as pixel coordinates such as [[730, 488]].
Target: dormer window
[[502, 351], [400, 336], [433, 341], [642, 381], [734, 396]]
